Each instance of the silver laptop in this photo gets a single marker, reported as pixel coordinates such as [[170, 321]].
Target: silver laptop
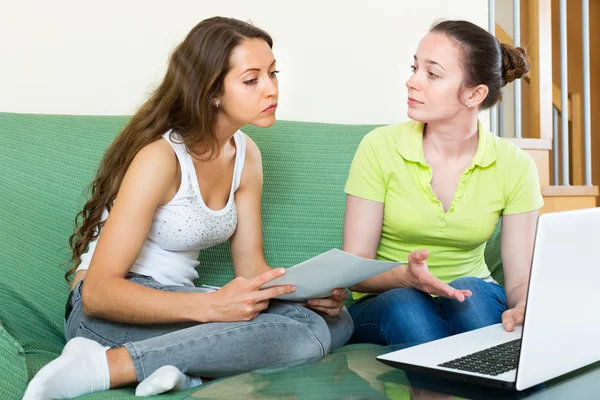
[[561, 331]]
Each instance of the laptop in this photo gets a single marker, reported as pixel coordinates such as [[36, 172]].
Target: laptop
[[561, 330]]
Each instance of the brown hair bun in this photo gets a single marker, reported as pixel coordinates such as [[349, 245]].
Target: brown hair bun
[[515, 63]]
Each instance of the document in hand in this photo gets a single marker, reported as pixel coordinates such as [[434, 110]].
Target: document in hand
[[318, 276]]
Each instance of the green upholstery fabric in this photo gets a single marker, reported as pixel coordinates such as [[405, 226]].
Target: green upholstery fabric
[[492, 255], [13, 370], [47, 161]]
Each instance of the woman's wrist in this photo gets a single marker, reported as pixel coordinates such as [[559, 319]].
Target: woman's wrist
[[199, 308], [517, 296], [400, 277]]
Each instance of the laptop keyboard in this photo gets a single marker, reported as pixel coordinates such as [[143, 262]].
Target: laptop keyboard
[[493, 361]]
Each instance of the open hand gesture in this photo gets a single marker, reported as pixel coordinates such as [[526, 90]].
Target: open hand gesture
[[417, 276]]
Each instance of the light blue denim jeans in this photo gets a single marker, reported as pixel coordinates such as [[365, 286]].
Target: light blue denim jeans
[[284, 334]]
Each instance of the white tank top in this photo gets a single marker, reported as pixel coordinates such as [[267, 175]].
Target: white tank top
[[185, 225]]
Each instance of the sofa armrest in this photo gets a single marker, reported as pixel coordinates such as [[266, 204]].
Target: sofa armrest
[[13, 368]]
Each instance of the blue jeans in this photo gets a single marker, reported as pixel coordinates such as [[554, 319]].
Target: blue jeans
[[410, 317], [284, 334]]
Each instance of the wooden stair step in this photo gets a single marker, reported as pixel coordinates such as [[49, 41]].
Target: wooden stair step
[[563, 198], [566, 191]]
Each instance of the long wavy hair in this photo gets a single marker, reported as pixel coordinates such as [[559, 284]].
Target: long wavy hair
[[184, 102]]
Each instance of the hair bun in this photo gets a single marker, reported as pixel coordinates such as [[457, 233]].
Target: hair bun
[[515, 63]]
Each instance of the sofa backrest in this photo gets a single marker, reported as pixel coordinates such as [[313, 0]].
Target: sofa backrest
[[47, 162]]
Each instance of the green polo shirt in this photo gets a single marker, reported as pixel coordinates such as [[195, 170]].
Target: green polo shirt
[[390, 167]]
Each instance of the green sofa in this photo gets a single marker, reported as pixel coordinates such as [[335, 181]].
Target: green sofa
[[46, 163]]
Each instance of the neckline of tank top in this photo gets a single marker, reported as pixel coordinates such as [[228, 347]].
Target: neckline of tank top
[[196, 185]]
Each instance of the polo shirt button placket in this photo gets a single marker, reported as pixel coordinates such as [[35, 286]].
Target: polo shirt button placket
[[457, 199], [443, 225]]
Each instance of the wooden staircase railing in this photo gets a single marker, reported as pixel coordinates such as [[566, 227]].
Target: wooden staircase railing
[[538, 143], [574, 114]]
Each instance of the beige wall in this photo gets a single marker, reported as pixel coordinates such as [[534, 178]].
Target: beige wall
[[341, 61]]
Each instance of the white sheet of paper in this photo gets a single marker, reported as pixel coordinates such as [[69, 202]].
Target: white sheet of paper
[[318, 276]]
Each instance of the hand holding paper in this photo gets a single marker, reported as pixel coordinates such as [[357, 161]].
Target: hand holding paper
[[331, 305], [318, 276], [242, 300]]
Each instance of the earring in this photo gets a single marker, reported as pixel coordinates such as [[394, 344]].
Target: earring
[[217, 104], [468, 104]]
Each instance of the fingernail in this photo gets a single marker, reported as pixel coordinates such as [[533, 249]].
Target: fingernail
[[293, 288]]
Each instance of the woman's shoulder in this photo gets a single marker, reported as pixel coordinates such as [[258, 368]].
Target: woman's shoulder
[[252, 168], [155, 165], [383, 136], [509, 155], [159, 152]]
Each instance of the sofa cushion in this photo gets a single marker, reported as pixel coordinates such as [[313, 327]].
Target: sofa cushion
[[13, 370], [492, 255], [47, 161]]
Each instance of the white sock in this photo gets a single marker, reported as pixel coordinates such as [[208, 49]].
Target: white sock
[[164, 379], [82, 368]]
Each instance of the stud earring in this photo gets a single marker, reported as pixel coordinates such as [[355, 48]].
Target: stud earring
[[217, 104], [468, 104]]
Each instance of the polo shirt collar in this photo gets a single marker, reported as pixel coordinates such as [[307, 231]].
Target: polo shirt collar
[[410, 145], [486, 149]]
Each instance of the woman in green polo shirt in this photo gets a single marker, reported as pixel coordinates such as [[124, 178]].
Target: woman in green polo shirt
[[432, 190]]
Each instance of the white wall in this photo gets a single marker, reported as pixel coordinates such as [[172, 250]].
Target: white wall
[[341, 61]]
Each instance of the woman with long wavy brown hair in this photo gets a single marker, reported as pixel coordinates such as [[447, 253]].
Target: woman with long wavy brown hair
[[179, 178]]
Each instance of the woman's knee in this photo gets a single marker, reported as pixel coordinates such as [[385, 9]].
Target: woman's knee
[[399, 316], [318, 337], [468, 283], [340, 327], [390, 305], [483, 308], [397, 303], [314, 339], [489, 293]]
